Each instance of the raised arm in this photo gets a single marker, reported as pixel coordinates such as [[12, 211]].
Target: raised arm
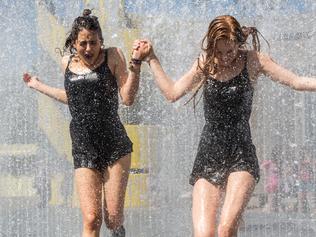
[[279, 74], [55, 93], [173, 90], [128, 81]]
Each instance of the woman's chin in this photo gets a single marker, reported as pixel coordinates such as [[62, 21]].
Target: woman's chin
[[88, 62]]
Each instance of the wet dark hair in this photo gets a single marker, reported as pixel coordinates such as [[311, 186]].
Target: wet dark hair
[[86, 21]]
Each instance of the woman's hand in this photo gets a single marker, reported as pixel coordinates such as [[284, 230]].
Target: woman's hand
[[30, 81], [142, 49], [151, 54], [55, 93]]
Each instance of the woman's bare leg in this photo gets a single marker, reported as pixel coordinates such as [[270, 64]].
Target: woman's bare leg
[[89, 184], [206, 200], [116, 179], [240, 186]]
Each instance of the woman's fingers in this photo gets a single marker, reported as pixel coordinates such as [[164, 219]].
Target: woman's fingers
[[141, 42], [26, 77], [145, 40], [141, 48], [136, 44], [136, 54]]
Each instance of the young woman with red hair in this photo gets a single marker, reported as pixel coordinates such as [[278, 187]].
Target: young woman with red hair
[[226, 159]]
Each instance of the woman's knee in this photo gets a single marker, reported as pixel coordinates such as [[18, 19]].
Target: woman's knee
[[204, 231], [92, 221], [227, 230]]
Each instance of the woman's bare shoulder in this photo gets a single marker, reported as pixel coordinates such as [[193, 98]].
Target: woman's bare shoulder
[[65, 60], [113, 51]]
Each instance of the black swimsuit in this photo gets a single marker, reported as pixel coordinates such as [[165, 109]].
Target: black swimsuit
[[226, 145], [98, 136]]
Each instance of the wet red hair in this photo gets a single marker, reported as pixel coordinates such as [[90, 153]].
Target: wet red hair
[[222, 27]]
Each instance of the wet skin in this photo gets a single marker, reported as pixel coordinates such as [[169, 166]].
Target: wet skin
[[88, 46], [226, 52]]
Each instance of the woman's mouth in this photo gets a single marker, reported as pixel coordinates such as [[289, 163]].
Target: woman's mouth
[[88, 56]]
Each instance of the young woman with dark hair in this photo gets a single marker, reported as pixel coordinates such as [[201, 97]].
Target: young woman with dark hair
[[94, 77]]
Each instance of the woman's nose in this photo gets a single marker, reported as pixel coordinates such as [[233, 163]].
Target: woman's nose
[[88, 48]]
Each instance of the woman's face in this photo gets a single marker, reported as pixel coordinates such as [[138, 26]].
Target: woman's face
[[226, 52], [88, 46]]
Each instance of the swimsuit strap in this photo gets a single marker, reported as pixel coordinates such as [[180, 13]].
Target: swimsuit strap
[[69, 60], [106, 56]]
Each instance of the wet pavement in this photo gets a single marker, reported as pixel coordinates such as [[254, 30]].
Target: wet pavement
[[23, 217]]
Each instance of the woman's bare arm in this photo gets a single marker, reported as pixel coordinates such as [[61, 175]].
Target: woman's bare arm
[[279, 74], [128, 82], [174, 89], [55, 93]]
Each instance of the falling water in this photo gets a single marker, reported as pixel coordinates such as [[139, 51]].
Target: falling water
[[37, 194]]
